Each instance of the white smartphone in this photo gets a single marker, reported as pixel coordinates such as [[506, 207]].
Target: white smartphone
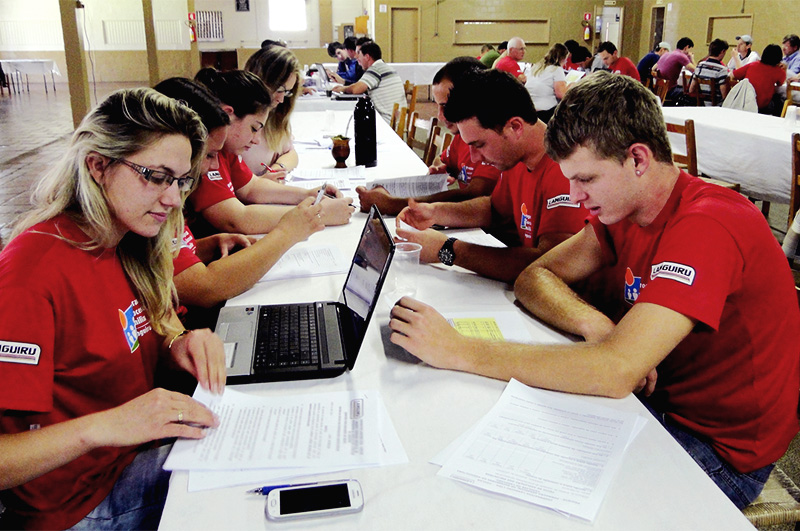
[[320, 499]]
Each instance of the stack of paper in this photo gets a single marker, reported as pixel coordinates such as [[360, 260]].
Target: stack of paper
[[308, 261], [264, 439], [555, 450], [342, 178]]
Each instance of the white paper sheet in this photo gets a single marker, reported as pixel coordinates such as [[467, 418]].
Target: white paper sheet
[[392, 453], [326, 429], [545, 448], [352, 173], [414, 186], [308, 261]]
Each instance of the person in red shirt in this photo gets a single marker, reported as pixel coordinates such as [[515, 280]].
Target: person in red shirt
[[532, 193], [706, 313], [510, 63], [213, 269], [87, 314], [616, 64], [474, 179], [765, 76]]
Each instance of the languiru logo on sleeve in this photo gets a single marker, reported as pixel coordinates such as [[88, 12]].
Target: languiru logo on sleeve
[[25, 353], [213, 176], [561, 201], [674, 271]]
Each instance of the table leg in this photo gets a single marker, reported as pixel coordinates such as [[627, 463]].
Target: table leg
[[27, 83], [44, 80], [53, 78]]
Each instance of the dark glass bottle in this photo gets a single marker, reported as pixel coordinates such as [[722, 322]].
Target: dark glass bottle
[[366, 141]]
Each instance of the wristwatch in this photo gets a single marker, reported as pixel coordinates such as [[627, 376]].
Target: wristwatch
[[447, 255]]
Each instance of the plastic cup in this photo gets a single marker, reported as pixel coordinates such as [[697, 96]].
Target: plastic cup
[[405, 269]]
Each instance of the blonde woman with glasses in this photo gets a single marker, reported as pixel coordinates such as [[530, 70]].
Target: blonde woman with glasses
[[86, 314]]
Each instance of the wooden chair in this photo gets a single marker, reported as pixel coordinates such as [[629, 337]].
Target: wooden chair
[[706, 92], [792, 86], [398, 121], [778, 503], [438, 143], [794, 202], [688, 161], [417, 124], [661, 88], [411, 94]]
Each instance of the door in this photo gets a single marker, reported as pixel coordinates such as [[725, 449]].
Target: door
[[612, 26], [404, 29], [657, 26]]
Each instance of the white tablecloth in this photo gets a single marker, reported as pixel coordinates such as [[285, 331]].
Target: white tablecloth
[[30, 66], [751, 149], [417, 73]]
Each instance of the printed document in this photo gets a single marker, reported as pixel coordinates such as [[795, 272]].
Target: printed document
[[414, 186], [329, 429], [308, 261], [547, 448]]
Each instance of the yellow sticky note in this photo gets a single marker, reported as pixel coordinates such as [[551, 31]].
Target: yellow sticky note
[[483, 327]]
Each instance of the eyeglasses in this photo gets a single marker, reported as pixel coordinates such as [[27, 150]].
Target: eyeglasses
[[159, 178], [287, 93]]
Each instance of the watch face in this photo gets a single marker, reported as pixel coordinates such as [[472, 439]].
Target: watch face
[[446, 254]]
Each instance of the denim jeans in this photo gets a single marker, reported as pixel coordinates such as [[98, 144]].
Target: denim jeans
[[138, 497], [740, 488]]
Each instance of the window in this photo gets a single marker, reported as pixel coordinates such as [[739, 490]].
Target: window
[[287, 15]]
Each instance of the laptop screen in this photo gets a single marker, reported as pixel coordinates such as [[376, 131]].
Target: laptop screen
[[365, 279], [322, 72]]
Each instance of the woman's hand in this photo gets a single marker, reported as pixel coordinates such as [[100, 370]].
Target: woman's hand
[[200, 352], [336, 211], [226, 242], [302, 221]]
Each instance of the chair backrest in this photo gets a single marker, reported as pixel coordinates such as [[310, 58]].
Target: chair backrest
[[661, 88], [398, 121], [706, 91], [411, 94], [790, 87], [438, 144], [794, 201], [689, 160], [417, 125]]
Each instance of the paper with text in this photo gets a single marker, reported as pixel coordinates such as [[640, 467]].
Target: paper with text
[[414, 186], [307, 430], [545, 448], [308, 261], [391, 453]]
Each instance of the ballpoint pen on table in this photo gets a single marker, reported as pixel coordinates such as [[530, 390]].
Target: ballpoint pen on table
[[263, 491]]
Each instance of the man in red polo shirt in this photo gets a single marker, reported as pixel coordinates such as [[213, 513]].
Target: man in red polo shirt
[[510, 63], [616, 64]]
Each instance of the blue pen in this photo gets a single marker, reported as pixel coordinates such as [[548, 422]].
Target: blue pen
[[263, 491]]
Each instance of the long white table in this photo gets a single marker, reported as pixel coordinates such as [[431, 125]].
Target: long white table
[[658, 486], [14, 68], [417, 73], [751, 149]]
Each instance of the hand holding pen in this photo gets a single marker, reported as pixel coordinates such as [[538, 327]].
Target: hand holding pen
[[275, 175]]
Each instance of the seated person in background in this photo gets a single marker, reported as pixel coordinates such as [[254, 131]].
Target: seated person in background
[[765, 76], [581, 59], [670, 65], [712, 67], [717, 314], [274, 157], [505, 132], [349, 70], [618, 65], [790, 46], [743, 54], [510, 63], [206, 271], [474, 179], [502, 49], [647, 62], [489, 55], [86, 315], [547, 83], [232, 199], [380, 81], [571, 46]]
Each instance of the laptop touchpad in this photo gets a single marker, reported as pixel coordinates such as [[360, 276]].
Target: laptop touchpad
[[241, 331]]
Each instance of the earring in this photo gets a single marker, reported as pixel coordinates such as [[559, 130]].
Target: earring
[[638, 173]]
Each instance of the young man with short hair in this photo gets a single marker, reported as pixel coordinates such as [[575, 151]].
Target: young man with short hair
[[618, 65], [701, 291], [743, 54], [505, 132], [670, 65], [713, 68]]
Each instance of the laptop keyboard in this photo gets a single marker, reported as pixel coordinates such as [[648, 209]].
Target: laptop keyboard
[[287, 337]]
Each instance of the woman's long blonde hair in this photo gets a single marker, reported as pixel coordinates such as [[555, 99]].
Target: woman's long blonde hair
[[274, 65], [127, 122], [557, 53]]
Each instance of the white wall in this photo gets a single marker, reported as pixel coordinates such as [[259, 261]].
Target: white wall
[[35, 25]]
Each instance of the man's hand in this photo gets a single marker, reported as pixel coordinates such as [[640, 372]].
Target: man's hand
[[338, 88], [423, 332], [418, 215], [386, 203], [430, 240]]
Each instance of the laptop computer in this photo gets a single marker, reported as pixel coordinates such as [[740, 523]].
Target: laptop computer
[[320, 339], [323, 72]]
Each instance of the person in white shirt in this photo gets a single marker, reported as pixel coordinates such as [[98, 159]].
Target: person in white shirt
[[744, 53]]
